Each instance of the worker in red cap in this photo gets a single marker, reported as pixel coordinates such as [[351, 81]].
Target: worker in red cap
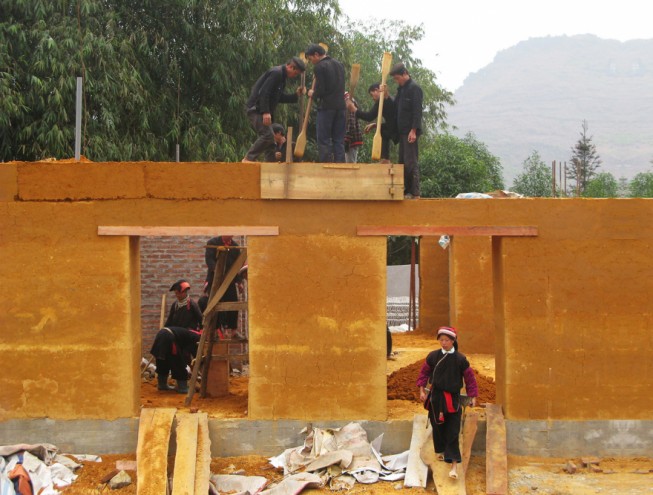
[[184, 312], [440, 381]]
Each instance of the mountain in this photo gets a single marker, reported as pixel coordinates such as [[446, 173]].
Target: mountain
[[535, 95]]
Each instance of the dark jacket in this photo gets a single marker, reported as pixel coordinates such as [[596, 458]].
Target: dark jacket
[[330, 84], [389, 126], [268, 91], [409, 107], [175, 341], [186, 316]]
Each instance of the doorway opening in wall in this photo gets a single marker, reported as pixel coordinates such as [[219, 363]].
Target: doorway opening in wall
[[164, 261], [411, 343], [406, 345]]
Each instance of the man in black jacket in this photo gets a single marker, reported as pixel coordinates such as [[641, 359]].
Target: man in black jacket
[[331, 111], [409, 125], [389, 125], [268, 91]]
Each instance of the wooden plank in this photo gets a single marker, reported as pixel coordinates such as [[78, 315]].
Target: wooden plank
[[496, 465], [152, 450], [469, 432], [186, 455], [452, 230], [417, 472], [203, 467], [169, 231], [228, 278], [332, 181], [231, 306], [444, 485]]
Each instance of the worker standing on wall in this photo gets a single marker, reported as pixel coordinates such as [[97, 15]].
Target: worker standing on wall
[[184, 312], [174, 349], [440, 381]]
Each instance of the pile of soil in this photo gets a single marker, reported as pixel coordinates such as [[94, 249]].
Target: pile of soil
[[401, 385]]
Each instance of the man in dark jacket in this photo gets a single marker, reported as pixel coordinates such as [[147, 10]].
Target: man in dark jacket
[[227, 320], [184, 312], [409, 125], [331, 111], [389, 125], [268, 91]]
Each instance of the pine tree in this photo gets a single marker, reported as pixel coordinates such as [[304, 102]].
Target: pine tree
[[584, 161]]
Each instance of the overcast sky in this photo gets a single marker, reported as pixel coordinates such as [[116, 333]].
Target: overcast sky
[[463, 36]]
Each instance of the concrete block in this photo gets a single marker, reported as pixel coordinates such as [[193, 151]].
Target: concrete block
[[75, 436]]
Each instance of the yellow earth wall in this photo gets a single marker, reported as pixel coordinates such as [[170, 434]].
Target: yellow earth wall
[[317, 304], [471, 293], [433, 284], [572, 306]]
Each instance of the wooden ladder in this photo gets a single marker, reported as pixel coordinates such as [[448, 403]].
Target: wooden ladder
[[210, 337]]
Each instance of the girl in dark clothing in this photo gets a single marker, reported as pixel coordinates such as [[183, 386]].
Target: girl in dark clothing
[[439, 382], [174, 348]]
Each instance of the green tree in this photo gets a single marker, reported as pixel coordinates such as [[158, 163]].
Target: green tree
[[535, 180], [156, 73], [603, 185], [584, 160], [450, 165], [642, 185]]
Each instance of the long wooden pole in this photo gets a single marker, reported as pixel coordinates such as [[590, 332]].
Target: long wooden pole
[[300, 144], [302, 97], [385, 70]]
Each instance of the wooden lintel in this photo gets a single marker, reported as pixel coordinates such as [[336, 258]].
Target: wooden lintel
[[453, 230], [163, 231]]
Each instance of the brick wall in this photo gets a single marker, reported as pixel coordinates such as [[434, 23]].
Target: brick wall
[[164, 260]]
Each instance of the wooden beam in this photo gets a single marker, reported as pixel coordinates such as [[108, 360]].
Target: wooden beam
[[203, 468], [417, 472], [168, 231], [231, 306], [228, 278], [496, 464], [470, 425], [453, 230], [334, 181], [186, 454], [152, 450]]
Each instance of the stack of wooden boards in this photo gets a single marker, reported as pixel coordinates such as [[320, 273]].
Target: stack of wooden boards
[[192, 460], [421, 456]]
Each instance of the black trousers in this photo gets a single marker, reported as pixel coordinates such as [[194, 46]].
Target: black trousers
[[445, 435], [167, 362], [408, 155], [264, 143]]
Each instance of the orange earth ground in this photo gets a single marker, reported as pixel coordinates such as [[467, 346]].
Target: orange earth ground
[[527, 475]]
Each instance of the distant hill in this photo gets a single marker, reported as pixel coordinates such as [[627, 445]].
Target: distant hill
[[535, 95]]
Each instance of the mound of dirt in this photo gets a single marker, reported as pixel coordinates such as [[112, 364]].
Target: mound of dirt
[[401, 385]]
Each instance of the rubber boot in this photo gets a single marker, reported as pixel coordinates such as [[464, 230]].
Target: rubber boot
[[182, 386], [163, 383]]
